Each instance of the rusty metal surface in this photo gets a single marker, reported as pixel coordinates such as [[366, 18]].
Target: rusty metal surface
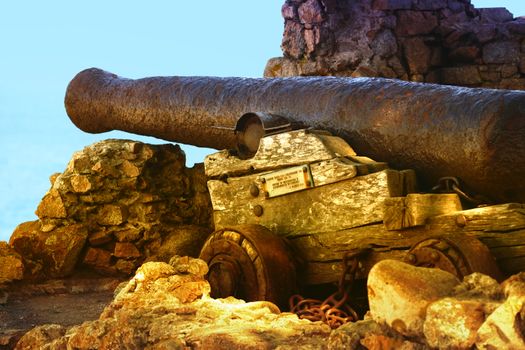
[[476, 135], [335, 310], [460, 255], [251, 263]]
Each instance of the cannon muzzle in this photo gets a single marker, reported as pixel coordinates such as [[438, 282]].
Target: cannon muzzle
[[476, 135]]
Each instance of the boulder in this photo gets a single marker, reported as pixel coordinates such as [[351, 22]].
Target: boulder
[[411, 23], [11, 264], [505, 327], [52, 254], [45, 334], [453, 324], [501, 52], [417, 54], [368, 334], [183, 240], [167, 307], [399, 294], [495, 15]]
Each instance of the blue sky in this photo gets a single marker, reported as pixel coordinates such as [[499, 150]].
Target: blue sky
[[45, 43]]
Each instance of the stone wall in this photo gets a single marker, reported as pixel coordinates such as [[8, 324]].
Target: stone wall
[[436, 41], [117, 204]]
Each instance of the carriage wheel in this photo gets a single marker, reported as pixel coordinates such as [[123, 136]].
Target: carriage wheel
[[251, 263], [458, 254]]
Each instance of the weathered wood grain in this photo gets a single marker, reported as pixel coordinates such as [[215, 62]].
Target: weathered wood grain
[[349, 203], [280, 151], [321, 272], [501, 228], [416, 208]]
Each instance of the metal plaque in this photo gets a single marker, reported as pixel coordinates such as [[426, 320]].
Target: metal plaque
[[287, 180]]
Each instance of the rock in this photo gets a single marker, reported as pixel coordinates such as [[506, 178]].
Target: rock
[[399, 294], [129, 169], [125, 196], [517, 26], [112, 215], [183, 240], [485, 32], [127, 267], [349, 335], [45, 334], [479, 286], [11, 264], [99, 238], [80, 184], [514, 286], [512, 84], [415, 23], [52, 206], [508, 70], [188, 265], [453, 324], [56, 251], [456, 6], [463, 75], [160, 309], [129, 234], [385, 44], [293, 43], [495, 15], [356, 38], [464, 54], [430, 5], [9, 338], [98, 259], [288, 11], [417, 54], [392, 4], [501, 52], [311, 12], [126, 251], [505, 327]]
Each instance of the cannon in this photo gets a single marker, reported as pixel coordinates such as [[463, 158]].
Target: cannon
[[475, 135], [319, 178]]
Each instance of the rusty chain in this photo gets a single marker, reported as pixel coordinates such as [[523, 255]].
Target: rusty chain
[[334, 310]]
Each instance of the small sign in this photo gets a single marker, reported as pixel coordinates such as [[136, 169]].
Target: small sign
[[287, 180]]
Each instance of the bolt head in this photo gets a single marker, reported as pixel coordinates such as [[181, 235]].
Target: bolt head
[[254, 190], [411, 258], [258, 210], [461, 220]]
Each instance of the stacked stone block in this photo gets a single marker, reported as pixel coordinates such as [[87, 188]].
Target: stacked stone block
[[114, 207], [435, 41]]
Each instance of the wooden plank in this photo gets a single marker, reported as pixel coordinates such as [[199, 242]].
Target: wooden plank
[[494, 218], [334, 170], [235, 191], [350, 203], [279, 151], [330, 272], [416, 208], [500, 228], [394, 213]]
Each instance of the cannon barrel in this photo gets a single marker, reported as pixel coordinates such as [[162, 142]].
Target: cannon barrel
[[476, 135]]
